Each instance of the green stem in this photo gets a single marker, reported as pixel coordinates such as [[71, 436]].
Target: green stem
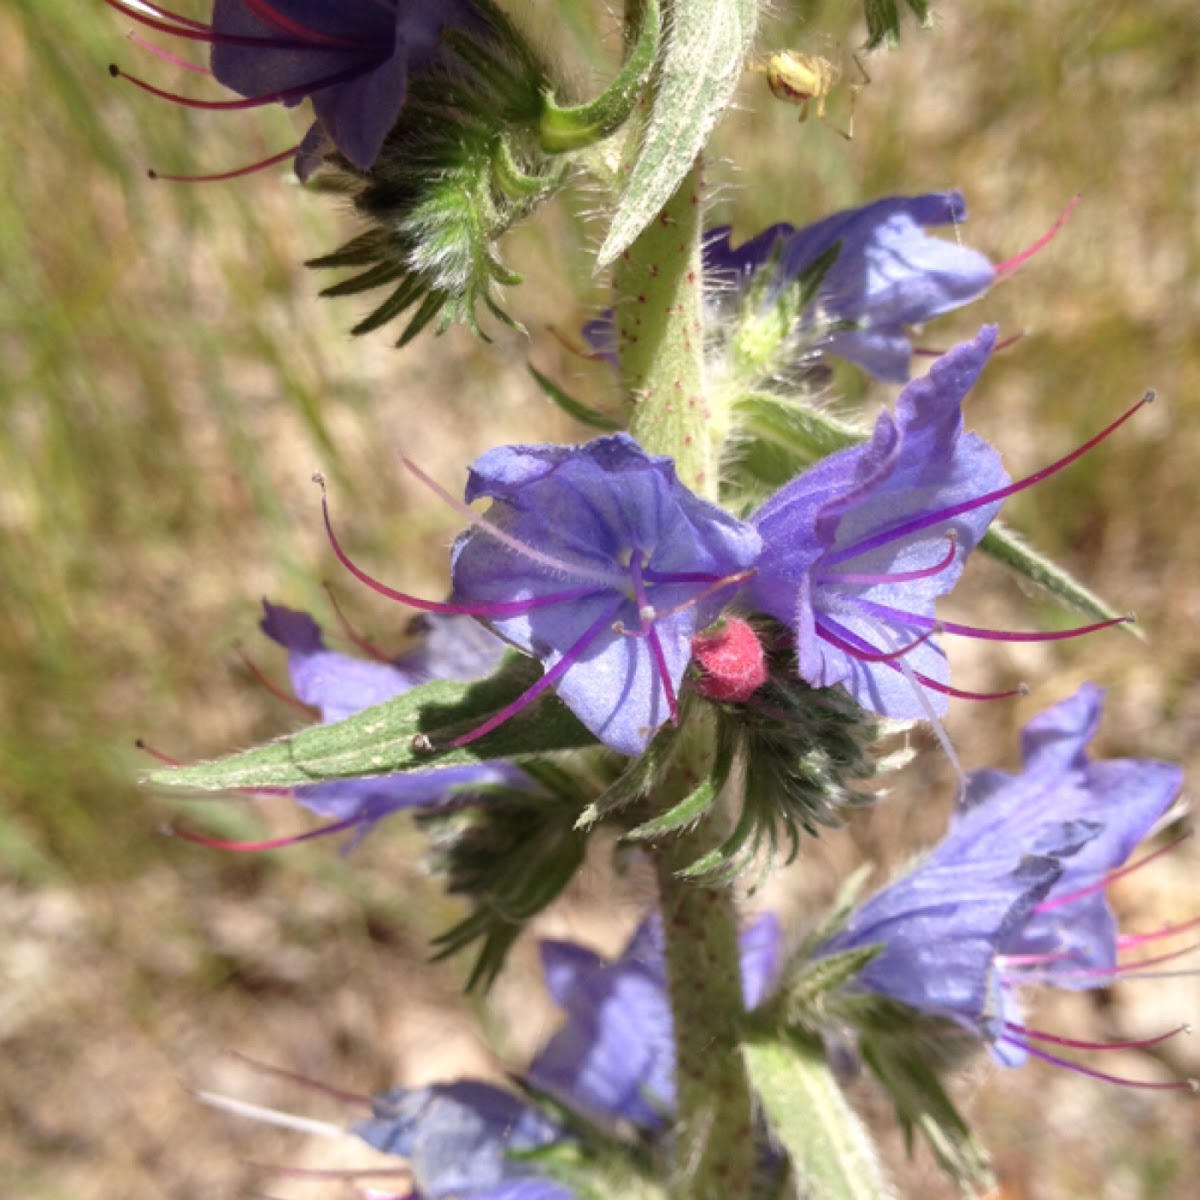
[[660, 339], [714, 1144]]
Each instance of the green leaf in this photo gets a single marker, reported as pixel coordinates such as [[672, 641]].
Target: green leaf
[[883, 20], [906, 1070], [831, 1151], [572, 407], [698, 69], [391, 737]]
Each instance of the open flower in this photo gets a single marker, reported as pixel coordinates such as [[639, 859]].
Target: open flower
[[889, 274], [1014, 893], [612, 1063], [596, 560], [857, 549], [339, 685], [351, 58]]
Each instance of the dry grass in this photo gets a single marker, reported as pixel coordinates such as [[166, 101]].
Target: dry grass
[[170, 383]]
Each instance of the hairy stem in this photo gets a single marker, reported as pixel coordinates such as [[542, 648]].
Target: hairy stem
[[660, 339]]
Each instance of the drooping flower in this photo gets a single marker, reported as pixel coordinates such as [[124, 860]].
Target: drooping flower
[[339, 686], [596, 560], [857, 549], [614, 1058], [351, 58], [889, 274], [612, 1063], [1014, 893]]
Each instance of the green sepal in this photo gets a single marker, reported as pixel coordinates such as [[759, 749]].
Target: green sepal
[[390, 737], [907, 1072], [575, 409], [596, 1169], [831, 1151], [693, 806], [699, 66], [511, 857], [883, 20], [578, 126]]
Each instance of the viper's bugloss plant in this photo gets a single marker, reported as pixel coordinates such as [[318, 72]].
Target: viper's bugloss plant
[[699, 638]]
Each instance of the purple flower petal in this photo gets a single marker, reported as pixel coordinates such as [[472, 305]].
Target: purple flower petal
[[855, 554], [603, 520]]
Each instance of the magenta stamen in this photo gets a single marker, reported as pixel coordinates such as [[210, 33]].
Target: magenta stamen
[[843, 577], [886, 612], [1009, 265], [353, 636], [139, 13], [1075, 1044], [145, 748], [304, 32], [1169, 956], [271, 686], [551, 677], [719, 585], [606, 579], [1003, 344], [237, 173], [1111, 877], [299, 92], [958, 693], [1181, 1085], [197, 31], [907, 528], [1131, 940], [279, 843], [358, 1099], [497, 609], [862, 654], [656, 651], [167, 56]]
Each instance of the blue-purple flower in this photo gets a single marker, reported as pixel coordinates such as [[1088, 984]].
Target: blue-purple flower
[[889, 274], [612, 1063], [596, 560], [351, 58], [1014, 893], [339, 686], [857, 549], [614, 1058], [605, 569]]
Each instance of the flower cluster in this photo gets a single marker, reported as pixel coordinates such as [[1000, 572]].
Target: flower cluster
[[351, 59], [1014, 893], [611, 1064]]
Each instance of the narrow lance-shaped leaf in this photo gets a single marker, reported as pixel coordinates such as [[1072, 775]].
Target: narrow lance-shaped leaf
[[699, 68], [831, 1151], [391, 738]]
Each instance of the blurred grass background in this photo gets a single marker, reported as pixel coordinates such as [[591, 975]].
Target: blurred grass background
[[169, 383]]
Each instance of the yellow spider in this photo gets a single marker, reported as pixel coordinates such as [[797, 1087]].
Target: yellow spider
[[801, 78]]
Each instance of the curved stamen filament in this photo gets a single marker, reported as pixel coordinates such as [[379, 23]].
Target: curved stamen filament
[[298, 92], [356, 639], [858, 649], [1010, 265], [734, 580], [1179, 1085], [844, 577], [358, 1099], [167, 56], [886, 613], [511, 608], [279, 843], [178, 26], [551, 677], [649, 617], [1130, 941], [271, 686], [907, 528], [236, 173], [1111, 877], [607, 579], [1077, 1044]]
